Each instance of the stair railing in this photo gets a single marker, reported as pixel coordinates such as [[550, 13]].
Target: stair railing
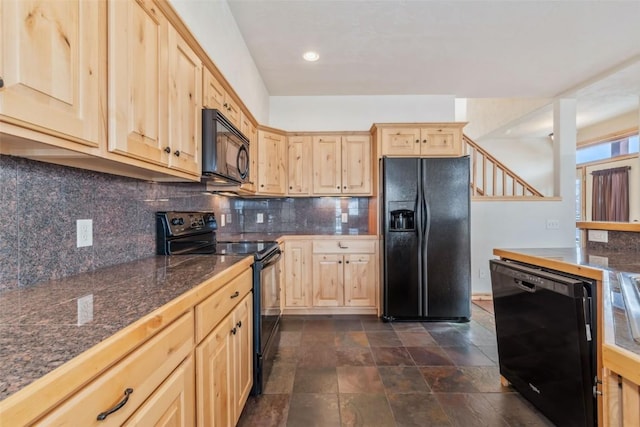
[[491, 178]]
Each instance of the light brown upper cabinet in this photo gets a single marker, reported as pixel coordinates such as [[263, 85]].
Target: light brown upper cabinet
[[423, 140], [248, 129], [154, 89], [299, 165], [185, 105], [341, 164], [271, 162], [52, 66], [215, 96]]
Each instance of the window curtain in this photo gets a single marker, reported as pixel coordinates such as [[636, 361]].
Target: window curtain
[[610, 195]]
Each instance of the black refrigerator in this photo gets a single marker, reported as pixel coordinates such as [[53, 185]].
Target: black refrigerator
[[427, 260]]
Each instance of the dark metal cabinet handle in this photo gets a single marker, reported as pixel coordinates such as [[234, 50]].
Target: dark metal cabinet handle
[[239, 324], [234, 331], [1, 82], [290, 188], [417, 141], [177, 153], [236, 294], [339, 262], [346, 262], [338, 187], [167, 150], [261, 185], [345, 187], [424, 141], [103, 415]]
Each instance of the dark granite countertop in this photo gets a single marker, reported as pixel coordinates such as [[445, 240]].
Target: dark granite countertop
[[39, 328], [611, 263]]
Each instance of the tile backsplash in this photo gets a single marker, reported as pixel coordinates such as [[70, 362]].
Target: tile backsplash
[[40, 203]]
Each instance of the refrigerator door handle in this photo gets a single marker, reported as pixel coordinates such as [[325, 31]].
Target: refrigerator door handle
[[420, 230], [424, 241]]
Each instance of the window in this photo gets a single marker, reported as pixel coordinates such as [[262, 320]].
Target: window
[[607, 150]]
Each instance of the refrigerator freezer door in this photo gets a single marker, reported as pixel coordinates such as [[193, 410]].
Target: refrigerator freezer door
[[402, 269]]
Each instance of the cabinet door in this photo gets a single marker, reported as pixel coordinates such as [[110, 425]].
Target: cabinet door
[[298, 162], [52, 63], [231, 110], [359, 280], [297, 265], [356, 164], [328, 280], [441, 141], [185, 105], [327, 161], [271, 170], [250, 131], [172, 404], [213, 92], [243, 354], [400, 142], [138, 81], [214, 378]]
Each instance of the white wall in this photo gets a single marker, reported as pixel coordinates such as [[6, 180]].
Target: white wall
[[486, 115], [607, 127], [213, 25], [515, 225], [341, 113]]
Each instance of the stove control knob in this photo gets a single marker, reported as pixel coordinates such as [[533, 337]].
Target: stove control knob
[[177, 221]]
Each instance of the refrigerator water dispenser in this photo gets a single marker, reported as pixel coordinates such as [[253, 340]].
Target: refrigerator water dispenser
[[402, 219]]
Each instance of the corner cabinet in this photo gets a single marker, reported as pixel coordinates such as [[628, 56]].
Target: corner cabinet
[[155, 89], [420, 139], [271, 162], [52, 67], [341, 164], [331, 275]]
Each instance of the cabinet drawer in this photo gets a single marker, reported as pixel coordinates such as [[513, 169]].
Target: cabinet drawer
[[142, 371], [215, 308], [347, 246]]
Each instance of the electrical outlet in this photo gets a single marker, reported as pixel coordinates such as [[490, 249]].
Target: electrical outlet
[[84, 233], [260, 218], [222, 220], [598, 236], [553, 224], [85, 309], [345, 218]]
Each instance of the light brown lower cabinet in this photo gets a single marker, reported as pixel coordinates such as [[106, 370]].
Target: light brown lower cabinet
[[142, 372], [172, 404], [331, 275], [225, 368]]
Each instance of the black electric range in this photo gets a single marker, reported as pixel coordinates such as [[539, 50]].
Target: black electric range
[[188, 233]]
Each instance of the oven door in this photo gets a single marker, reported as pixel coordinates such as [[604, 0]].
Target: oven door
[[269, 297], [266, 306]]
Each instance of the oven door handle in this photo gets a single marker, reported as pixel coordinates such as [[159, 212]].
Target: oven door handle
[[272, 259]]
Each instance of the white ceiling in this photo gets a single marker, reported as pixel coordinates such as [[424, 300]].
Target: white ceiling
[[471, 49]]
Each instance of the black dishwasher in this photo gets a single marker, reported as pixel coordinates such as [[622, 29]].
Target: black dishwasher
[[546, 332]]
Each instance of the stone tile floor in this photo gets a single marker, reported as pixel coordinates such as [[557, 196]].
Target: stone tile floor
[[359, 371]]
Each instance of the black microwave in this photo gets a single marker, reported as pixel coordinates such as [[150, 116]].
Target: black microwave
[[225, 150]]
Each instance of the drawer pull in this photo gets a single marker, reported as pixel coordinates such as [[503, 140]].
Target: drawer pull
[[342, 246], [239, 324], [234, 331], [103, 415], [236, 294], [1, 83]]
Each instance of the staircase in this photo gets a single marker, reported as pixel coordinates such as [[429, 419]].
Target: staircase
[[492, 179]]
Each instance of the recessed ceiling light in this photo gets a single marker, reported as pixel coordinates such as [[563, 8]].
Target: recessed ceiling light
[[311, 56]]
